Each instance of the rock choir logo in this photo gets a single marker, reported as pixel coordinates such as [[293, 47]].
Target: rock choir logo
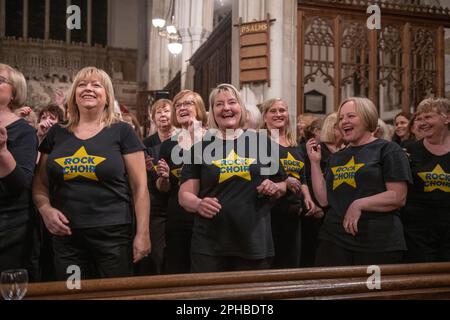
[[234, 165], [292, 166], [177, 172], [437, 179], [81, 164], [346, 174]]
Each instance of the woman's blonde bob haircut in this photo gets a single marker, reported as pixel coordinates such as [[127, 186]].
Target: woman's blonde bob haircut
[[438, 105], [265, 107], [198, 103], [365, 109], [19, 86], [73, 112], [225, 87], [327, 132]]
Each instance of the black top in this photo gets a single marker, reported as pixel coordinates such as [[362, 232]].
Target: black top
[[431, 176], [359, 172], [87, 178], [231, 171], [178, 219], [152, 141], [159, 200], [292, 159], [15, 188]]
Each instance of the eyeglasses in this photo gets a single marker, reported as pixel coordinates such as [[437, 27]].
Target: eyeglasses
[[187, 103], [4, 80]]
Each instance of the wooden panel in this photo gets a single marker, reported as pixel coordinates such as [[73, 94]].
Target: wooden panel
[[256, 51], [253, 39], [410, 281], [256, 63], [254, 75]]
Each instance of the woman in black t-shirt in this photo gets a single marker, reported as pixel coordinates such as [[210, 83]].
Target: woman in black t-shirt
[[427, 213], [188, 115], [365, 187], [18, 153], [160, 112], [287, 211], [90, 179], [229, 185]]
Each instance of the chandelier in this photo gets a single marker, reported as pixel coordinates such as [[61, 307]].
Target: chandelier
[[170, 32]]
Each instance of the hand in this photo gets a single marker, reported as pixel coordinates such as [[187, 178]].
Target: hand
[[149, 163], [268, 188], [293, 185], [314, 151], [318, 213], [162, 169], [310, 206], [55, 221], [3, 138], [208, 207], [352, 217], [24, 111], [44, 126], [141, 246]]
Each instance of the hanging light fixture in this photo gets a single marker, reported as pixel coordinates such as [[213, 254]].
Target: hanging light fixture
[[170, 32]]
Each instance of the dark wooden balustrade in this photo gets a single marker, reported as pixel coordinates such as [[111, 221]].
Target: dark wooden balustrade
[[409, 281]]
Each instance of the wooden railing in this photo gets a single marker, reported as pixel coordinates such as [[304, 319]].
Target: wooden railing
[[415, 281]]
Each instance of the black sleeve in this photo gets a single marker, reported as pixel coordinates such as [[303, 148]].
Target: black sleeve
[[395, 164], [129, 141], [24, 152], [278, 175], [192, 170]]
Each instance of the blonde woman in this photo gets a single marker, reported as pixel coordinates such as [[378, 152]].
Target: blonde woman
[[365, 185], [91, 177], [18, 153], [427, 212], [287, 211], [229, 192]]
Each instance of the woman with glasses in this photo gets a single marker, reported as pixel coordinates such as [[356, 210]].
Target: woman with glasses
[[18, 153], [427, 213], [229, 185], [189, 117]]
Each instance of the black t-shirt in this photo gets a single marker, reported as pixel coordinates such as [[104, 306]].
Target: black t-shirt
[[178, 219], [15, 188], [159, 200], [242, 228], [431, 176], [152, 140], [359, 172], [88, 181], [292, 159]]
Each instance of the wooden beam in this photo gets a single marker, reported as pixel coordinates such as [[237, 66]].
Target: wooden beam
[[440, 62], [406, 64], [373, 66], [337, 62]]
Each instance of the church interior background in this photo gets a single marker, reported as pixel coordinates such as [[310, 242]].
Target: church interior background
[[404, 61]]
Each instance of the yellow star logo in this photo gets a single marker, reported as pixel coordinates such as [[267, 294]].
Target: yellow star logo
[[177, 172], [346, 174], [81, 164], [234, 165], [292, 166], [437, 179]]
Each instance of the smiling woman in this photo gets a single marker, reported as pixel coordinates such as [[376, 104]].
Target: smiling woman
[[90, 176], [365, 186]]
